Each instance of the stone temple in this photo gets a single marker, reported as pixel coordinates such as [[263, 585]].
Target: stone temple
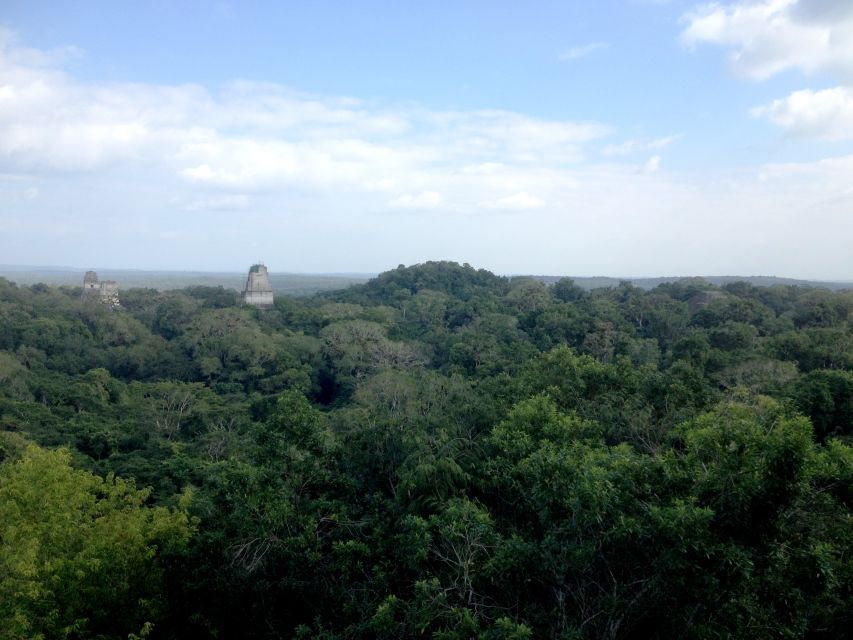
[[258, 291], [105, 291]]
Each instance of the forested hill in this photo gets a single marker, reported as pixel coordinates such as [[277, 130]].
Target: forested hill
[[650, 283], [437, 453]]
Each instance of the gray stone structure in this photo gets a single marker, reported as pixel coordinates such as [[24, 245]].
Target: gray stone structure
[[105, 292], [258, 291]]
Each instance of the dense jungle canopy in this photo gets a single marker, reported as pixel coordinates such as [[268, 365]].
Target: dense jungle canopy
[[438, 453]]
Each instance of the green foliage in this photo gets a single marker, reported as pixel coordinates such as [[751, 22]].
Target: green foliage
[[81, 556], [440, 452], [461, 282], [826, 396]]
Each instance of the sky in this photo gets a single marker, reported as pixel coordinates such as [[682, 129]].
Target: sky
[[616, 137]]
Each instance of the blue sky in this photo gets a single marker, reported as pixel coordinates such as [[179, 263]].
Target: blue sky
[[633, 137]]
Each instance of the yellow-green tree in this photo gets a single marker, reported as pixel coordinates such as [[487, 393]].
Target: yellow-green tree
[[79, 554]]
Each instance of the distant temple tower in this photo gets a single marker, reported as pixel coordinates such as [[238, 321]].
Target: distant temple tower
[[105, 292], [258, 291]]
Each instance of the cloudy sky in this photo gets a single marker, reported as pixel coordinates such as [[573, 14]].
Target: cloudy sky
[[617, 137]]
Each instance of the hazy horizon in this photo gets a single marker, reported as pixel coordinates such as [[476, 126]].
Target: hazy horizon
[[356, 275], [620, 137]]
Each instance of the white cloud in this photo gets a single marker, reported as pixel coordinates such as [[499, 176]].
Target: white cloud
[[314, 178], [521, 201], [770, 36], [501, 136], [826, 114], [232, 202], [829, 175], [576, 53], [486, 168], [10, 44], [633, 146], [821, 11], [652, 164], [252, 136], [767, 37], [422, 200]]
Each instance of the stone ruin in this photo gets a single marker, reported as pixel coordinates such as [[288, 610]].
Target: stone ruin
[[105, 292], [258, 291]]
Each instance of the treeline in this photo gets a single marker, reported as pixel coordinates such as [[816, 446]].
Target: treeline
[[439, 453]]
